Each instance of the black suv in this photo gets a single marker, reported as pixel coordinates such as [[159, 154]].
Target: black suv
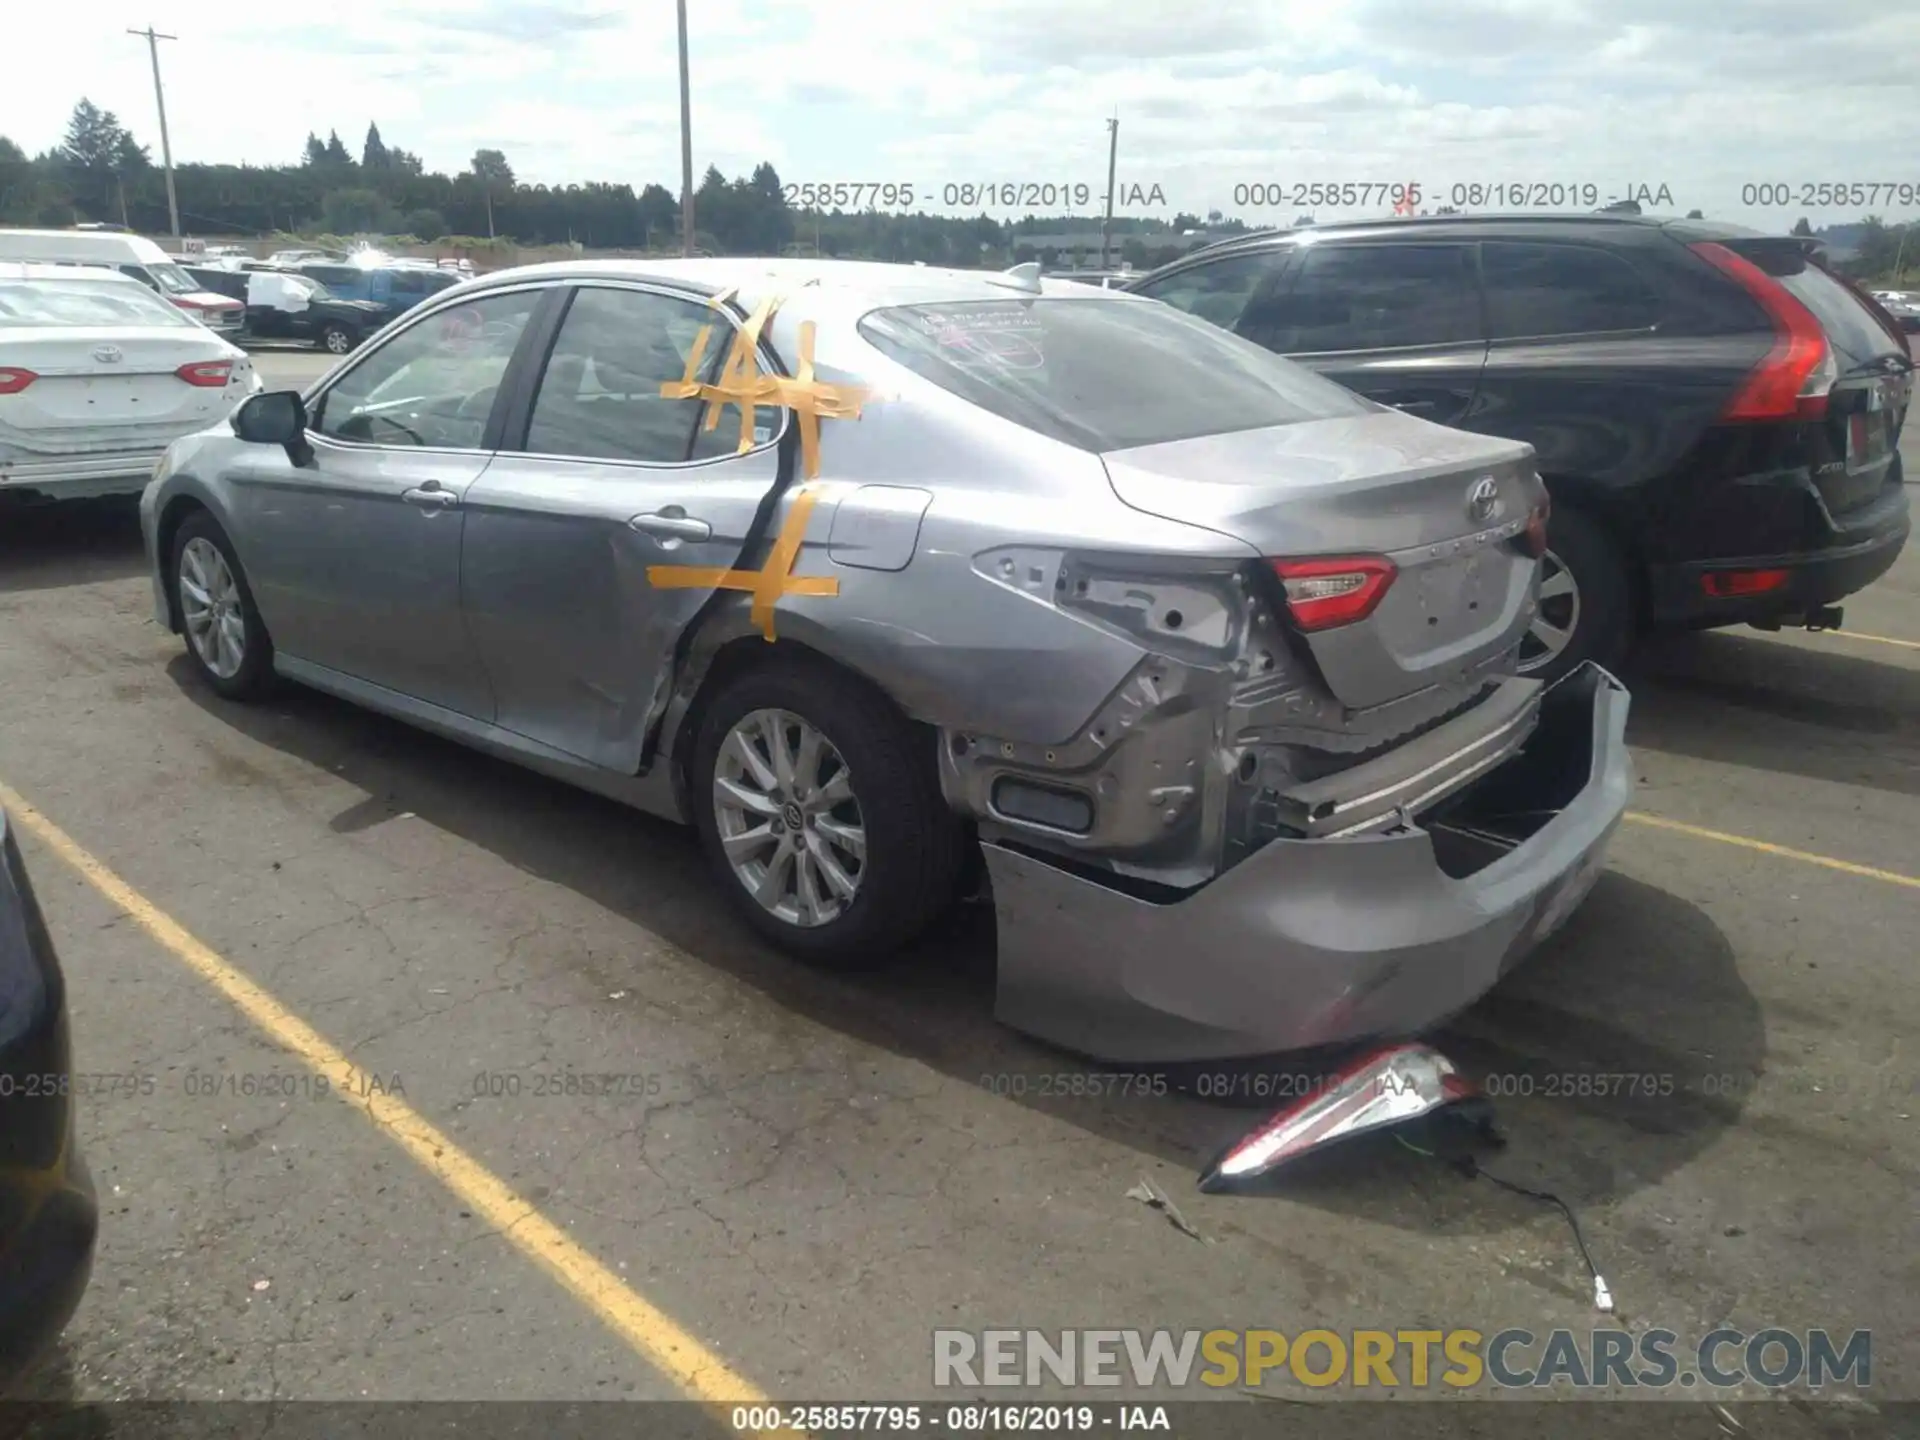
[[1717, 416]]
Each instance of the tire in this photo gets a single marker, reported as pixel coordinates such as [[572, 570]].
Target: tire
[[338, 340], [914, 848], [1584, 588], [195, 545]]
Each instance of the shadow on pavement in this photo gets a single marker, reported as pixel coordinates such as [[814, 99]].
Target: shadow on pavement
[[73, 542], [1740, 699], [1640, 982]]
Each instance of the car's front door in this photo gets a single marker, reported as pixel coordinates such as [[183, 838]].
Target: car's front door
[[1398, 321], [608, 478], [354, 560]]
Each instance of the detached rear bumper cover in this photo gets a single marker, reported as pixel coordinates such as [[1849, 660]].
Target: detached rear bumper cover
[[1306, 942]]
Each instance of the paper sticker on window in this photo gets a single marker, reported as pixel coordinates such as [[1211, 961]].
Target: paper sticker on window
[[762, 434]]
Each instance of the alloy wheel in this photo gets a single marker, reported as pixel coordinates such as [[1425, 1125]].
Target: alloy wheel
[[788, 818], [211, 606], [1556, 618], [337, 342]]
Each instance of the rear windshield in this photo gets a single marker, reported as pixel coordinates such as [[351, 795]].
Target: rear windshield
[[1856, 335], [1103, 374], [81, 303]]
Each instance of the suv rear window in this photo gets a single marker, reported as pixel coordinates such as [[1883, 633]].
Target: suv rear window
[[1103, 374], [1855, 333]]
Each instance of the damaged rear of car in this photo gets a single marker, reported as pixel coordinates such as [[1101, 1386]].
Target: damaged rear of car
[[1320, 806]]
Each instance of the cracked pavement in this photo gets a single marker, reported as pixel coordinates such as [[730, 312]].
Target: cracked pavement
[[811, 1172]]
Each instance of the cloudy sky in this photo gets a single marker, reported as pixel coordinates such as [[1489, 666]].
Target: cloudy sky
[[1705, 97]]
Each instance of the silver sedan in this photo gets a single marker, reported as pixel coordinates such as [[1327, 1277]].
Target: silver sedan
[[870, 572]]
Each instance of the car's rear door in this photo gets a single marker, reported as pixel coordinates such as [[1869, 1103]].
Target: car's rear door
[[1398, 321], [599, 478]]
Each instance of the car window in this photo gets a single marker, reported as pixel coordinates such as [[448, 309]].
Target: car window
[[600, 396], [139, 272], [1217, 292], [1536, 290], [1851, 328], [407, 282], [1374, 297], [434, 383], [345, 275], [1103, 373], [172, 280], [79, 303]]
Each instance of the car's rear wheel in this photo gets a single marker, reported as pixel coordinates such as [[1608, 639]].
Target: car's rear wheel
[[226, 639], [1586, 600], [336, 340], [820, 811]]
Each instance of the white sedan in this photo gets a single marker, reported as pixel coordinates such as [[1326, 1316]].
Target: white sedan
[[98, 375]]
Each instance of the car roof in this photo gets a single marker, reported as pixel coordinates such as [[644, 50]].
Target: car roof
[[870, 282], [37, 270], [1482, 225]]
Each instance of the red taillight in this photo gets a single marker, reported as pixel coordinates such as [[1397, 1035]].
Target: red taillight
[[1728, 584], [1334, 590], [208, 373], [13, 379], [1533, 540], [1792, 382]]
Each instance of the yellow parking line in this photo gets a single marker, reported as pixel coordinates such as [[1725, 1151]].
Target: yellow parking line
[[1700, 832], [1878, 639], [654, 1334]]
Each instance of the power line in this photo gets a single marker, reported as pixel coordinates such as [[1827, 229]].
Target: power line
[[153, 39]]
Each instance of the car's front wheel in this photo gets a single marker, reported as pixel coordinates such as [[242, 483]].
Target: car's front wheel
[[820, 811], [226, 639], [336, 340]]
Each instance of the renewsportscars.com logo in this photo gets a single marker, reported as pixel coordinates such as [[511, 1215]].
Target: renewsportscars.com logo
[[1722, 1359]]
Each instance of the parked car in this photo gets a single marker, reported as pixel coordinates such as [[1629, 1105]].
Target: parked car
[[48, 1214], [97, 376], [1717, 416], [287, 259], [397, 287], [297, 307], [130, 255], [1205, 655]]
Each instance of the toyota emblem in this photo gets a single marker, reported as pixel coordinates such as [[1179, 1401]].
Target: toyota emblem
[[1483, 498], [109, 355]]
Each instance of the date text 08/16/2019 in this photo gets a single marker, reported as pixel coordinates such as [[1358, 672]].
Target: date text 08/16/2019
[[1027, 195], [1460, 195]]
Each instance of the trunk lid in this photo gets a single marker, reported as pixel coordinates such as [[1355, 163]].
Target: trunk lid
[[1447, 508], [82, 402]]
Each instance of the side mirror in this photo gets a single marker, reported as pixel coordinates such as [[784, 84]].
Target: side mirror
[[275, 417]]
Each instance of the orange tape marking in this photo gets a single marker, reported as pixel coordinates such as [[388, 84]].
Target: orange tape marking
[[767, 584]]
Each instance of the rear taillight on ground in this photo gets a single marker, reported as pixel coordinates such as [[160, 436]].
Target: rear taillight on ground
[[1329, 591], [1730, 584], [13, 379], [1792, 382], [211, 374], [1533, 540]]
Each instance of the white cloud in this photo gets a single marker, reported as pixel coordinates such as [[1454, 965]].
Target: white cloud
[[1700, 96]]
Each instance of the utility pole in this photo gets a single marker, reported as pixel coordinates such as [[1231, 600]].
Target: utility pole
[[1113, 155], [686, 143], [153, 39]]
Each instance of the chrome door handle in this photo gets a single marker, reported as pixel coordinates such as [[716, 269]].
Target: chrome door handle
[[430, 496], [667, 525]]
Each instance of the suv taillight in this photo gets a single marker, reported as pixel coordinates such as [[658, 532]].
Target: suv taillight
[[209, 374], [1792, 382], [1329, 591], [1533, 540], [13, 379]]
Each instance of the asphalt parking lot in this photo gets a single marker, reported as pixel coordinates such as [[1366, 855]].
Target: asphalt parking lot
[[801, 1175]]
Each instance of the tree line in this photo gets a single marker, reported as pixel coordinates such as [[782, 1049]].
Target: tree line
[[101, 173]]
